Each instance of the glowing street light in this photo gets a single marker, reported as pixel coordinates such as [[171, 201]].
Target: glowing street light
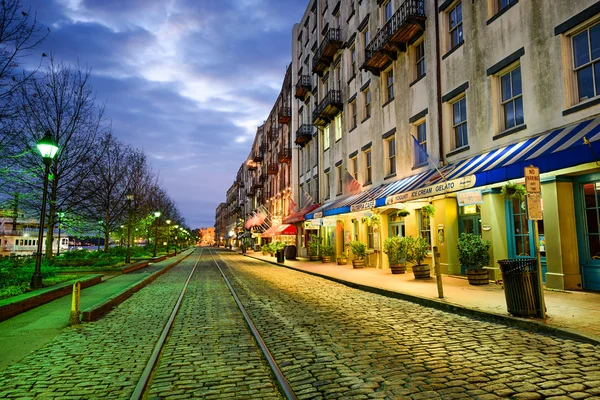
[[157, 216], [129, 196], [168, 233], [48, 149]]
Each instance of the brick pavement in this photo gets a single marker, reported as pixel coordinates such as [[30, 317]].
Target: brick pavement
[[333, 341], [570, 311]]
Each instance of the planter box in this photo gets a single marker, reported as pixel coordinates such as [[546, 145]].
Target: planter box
[[398, 268], [358, 263], [314, 258], [326, 259], [478, 277], [342, 261], [421, 271]]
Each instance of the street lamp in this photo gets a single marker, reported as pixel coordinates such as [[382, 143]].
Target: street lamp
[[129, 197], [48, 149], [157, 216], [168, 233], [99, 231], [60, 216], [122, 229]]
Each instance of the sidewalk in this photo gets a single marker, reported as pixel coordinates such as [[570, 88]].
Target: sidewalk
[[26, 332], [570, 314]]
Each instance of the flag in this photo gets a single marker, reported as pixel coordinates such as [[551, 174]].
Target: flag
[[351, 185], [292, 207], [421, 156], [307, 199]]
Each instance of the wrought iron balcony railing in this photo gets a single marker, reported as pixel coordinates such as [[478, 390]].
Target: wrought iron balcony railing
[[303, 87], [328, 108], [303, 134], [332, 42]]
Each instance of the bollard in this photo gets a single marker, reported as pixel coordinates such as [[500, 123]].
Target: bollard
[[438, 273], [74, 317]]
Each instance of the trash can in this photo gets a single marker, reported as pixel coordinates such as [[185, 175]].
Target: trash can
[[280, 256], [521, 286], [290, 252]]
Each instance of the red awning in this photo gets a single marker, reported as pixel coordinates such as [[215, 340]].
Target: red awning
[[299, 215], [283, 229]]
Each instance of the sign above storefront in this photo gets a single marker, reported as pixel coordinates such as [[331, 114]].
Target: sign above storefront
[[363, 206], [328, 222], [318, 215], [433, 190], [312, 224], [469, 197]]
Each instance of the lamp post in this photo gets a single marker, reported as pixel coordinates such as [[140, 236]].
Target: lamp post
[[157, 216], [168, 233], [122, 228], [99, 232], [129, 197], [48, 149], [181, 242], [60, 216]]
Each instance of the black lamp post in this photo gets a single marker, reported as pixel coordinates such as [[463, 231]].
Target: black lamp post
[[157, 216], [60, 215], [168, 233], [48, 149], [99, 232], [129, 197]]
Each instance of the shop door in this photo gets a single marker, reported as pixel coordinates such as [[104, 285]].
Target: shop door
[[587, 197], [469, 222], [520, 234]]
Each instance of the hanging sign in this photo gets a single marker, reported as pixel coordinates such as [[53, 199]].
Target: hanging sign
[[532, 179], [534, 206], [318, 215], [433, 190], [363, 206], [469, 197]]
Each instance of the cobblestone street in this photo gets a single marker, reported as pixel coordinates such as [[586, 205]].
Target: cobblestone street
[[331, 341]]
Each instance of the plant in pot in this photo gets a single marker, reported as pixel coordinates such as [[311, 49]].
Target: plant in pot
[[278, 247], [513, 191], [266, 249], [314, 245], [343, 258], [428, 211], [403, 213], [417, 249], [474, 255], [395, 248], [326, 253], [272, 249], [366, 220], [376, 219], [359, 250]]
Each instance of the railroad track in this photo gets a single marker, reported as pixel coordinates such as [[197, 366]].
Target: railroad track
[[207, 264]]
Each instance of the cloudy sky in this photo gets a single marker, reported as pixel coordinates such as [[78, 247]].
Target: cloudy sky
[[187, 81]]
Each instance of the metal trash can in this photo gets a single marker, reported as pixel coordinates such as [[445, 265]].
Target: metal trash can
[[521, 289], [290, 252]]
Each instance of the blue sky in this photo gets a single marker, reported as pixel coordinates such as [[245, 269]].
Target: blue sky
[[187, 81]]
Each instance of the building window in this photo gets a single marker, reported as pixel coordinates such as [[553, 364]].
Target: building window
[[337, 76], [308, 158], [367, 103], [419, 51], [425, 227], [326, 137], [340, 178], [370, 239], [327, 186], [354, 161], [421, 146], [338, 127], [353, 121], [355, 229], [391, 152], [502, 4], [586, 62], [365, 39], [353, 60], [368, 167], [389, 85], [455, 25], [459, 122], [387, 11], [512, 98], [336, 19]]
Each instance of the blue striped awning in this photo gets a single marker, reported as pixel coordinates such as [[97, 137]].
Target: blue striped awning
[[342, 205], [551, 151]]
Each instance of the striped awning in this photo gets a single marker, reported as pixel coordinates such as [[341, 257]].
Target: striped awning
[[551, 151], [343, 204]]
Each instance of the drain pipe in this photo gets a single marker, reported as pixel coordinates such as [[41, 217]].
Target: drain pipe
[[438, 78]]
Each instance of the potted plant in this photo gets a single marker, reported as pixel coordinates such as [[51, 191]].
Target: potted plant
[[359, 250], [272, 249], [403, 213], [474, 254], [366, 220], [376, 219], [395, 248], [278, 247], [314, 244], [417, 249], [326, 253], [428, 211], [342, 259], [265, 249], [513, 191]]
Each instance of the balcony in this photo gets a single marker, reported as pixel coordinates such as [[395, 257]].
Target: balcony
[[303, 134], [258, 157], [274, 133], [303, 87], [257, 184], [285, 115], [407, 22], [263, 147], [328, 108], [332, 42], [251, 165], [285, 155], [272, 169]]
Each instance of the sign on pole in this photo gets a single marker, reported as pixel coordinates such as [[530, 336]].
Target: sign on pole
[[534, 206], [532, 180]]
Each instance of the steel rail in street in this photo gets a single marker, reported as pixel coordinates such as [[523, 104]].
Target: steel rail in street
[[145, 377], [283, 382]]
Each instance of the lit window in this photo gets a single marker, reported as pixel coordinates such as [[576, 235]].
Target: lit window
[[425, 227], [512, 98], [338, 127], [326, 137]]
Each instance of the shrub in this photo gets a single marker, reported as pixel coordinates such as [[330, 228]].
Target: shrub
[[359, 249], [314, 245], [326, 251], [473, 251], [417, 249], [395, 247]]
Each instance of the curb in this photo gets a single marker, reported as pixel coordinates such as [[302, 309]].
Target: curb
[[135, 266], [96, 311], [516, 322], [10, 310]]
